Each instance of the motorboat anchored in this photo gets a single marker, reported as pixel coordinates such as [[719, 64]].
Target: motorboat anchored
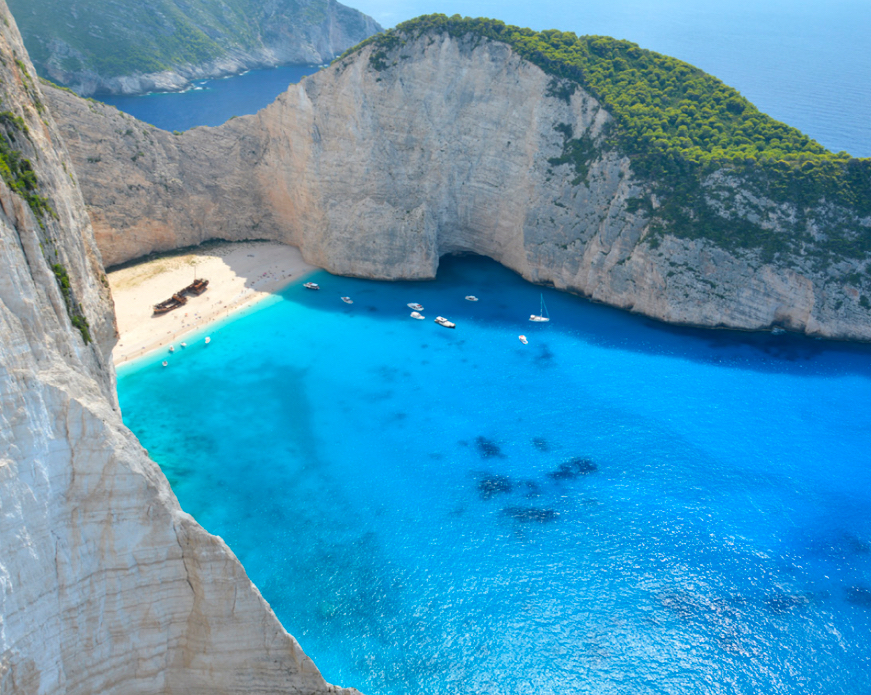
[[416, 307], [523, 339], [417, 315], [442, 321], [542, 316], [347, 300], [312, 286], [471, 298]]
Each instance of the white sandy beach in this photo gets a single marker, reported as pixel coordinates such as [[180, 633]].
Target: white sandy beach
[[238, 274]]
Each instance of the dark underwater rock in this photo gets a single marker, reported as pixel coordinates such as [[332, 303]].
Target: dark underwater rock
[[544, 356], [574, 468], [491, 485], [540, 443], [859, 596], [488, 448], [528, 515]]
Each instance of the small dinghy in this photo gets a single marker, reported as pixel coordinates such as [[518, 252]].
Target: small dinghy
[[523, 339], [471, 298], [172, 348], [184, 345], [347, 300], [208, 340], [442, 321], [542, 316], [312, 286], [165, 363], [416, 307], [417, 315]]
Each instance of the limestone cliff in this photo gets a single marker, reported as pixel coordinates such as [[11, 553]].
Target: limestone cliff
[[386, 161], [138, 46], [106, 586]]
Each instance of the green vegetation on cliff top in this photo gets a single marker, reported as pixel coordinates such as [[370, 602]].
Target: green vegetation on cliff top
[[126, 37], [678, 125]]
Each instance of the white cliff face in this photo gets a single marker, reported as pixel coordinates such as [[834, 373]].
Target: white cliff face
[[106, 586], [447, 150]]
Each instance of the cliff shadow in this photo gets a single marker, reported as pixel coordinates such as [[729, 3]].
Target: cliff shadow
[[506, 300]]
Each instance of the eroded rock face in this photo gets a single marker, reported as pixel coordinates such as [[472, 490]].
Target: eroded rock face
[[453, 148], [106, 586]]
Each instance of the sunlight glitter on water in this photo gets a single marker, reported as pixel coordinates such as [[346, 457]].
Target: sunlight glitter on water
[[616, 507]]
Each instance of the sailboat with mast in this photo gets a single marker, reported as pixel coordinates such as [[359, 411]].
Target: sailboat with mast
[[542, 316]]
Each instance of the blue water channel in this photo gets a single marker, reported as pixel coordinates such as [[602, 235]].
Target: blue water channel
[[617, 507], [212, 102]]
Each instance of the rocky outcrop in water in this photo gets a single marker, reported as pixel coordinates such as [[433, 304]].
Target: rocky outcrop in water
[[377, 167], [139, 46], [106, 586]]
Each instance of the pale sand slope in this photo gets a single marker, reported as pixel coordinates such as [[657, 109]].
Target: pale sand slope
[[238, 274]]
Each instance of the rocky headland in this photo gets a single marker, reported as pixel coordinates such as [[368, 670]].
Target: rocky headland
[[139, 46], [431, 140], [106, 585]]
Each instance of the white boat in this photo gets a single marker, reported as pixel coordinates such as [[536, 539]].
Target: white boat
[[184, 345], [347, 300], [312, 286], [542, 316], [417, 315], [416, 307], [208, 340], [442, 321], [172, 348], [471, 298], [165, 363], [523, 339]]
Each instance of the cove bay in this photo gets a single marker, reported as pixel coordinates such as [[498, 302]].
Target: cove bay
[[457, 356], [618, 506], [617, 502]]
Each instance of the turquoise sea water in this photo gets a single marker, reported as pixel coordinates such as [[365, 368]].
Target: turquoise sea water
[[616, 507]]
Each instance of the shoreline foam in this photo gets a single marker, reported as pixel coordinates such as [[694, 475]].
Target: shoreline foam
[[239, 274]]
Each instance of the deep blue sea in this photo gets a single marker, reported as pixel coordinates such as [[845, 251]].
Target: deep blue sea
[[804, 62], [618, 507], [212, 102]]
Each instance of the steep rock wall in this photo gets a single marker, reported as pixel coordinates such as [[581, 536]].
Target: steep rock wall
[[452, 145], [106, 586]]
